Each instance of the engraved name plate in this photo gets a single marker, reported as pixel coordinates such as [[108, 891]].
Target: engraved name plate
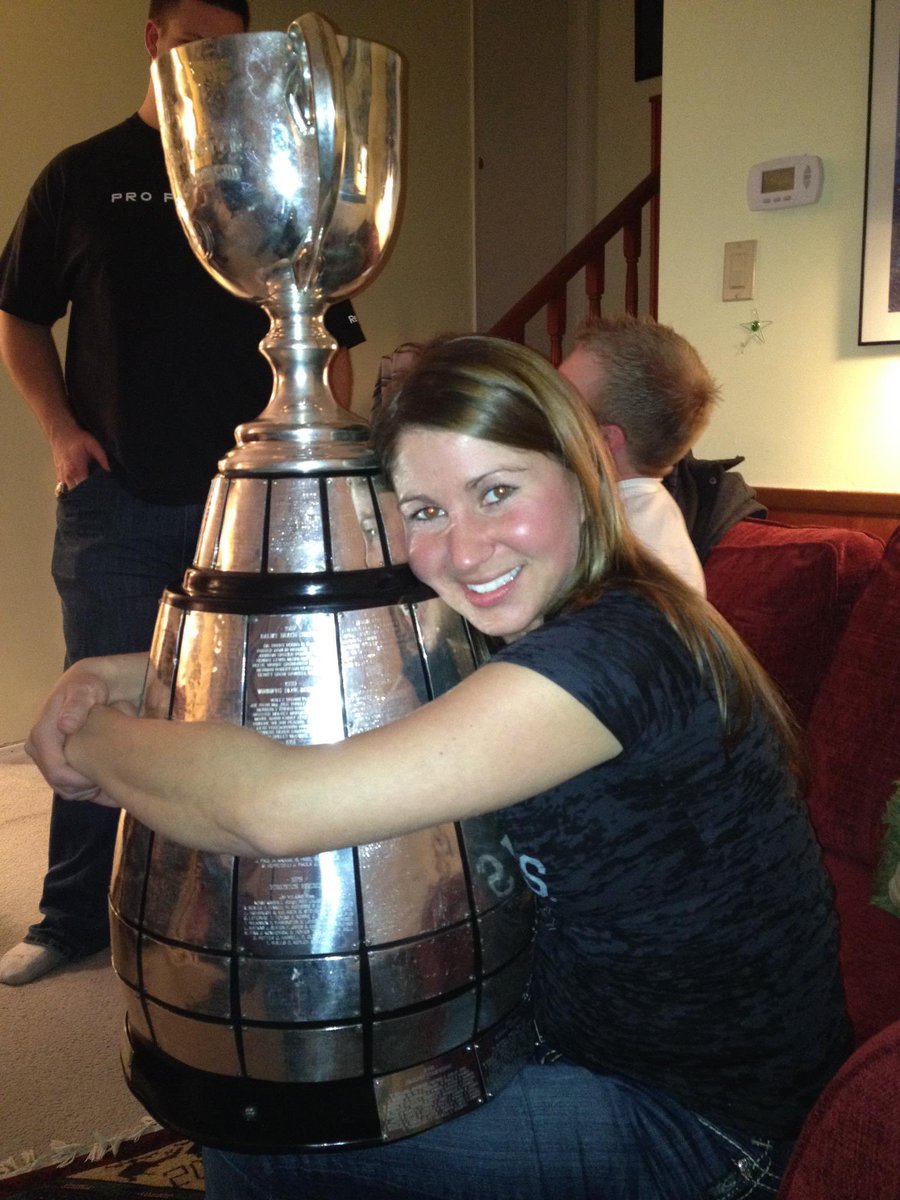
[[296, 537], [291, 906], [293, 678], [415, 1099]]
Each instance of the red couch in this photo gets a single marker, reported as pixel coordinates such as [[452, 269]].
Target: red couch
[[821, 609]]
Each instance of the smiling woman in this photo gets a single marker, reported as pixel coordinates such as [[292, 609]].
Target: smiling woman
[[643, 764], [493, 529]]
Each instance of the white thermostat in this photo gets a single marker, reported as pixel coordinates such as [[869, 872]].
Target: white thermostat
[[785, 182]]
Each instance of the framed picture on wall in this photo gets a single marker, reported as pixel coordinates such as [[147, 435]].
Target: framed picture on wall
[[879, 309]]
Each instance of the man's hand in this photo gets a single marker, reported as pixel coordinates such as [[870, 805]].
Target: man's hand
[[29, 354], [73, 453]]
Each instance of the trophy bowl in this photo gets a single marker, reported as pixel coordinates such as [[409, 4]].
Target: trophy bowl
[[284, 155]]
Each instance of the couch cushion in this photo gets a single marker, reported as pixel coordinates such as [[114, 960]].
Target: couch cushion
[[869, 948], [788, 591], [849, 1148], [854, 730]]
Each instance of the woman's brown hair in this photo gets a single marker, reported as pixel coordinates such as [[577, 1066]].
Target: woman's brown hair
[[502, 392]]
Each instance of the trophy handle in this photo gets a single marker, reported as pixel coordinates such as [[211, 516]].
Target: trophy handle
[[317, 102]]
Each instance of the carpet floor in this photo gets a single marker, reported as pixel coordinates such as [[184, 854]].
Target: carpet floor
[[156, 1167], [62, 1092]]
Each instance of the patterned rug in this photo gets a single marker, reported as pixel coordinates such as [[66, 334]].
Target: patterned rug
[[158, 1166]]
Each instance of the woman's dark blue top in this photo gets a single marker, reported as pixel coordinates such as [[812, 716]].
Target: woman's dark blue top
[[686, 933]]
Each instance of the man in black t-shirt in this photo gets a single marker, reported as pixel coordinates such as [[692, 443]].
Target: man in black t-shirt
[[162, 363]]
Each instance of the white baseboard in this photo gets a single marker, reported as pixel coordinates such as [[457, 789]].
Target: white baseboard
[[13, 752]]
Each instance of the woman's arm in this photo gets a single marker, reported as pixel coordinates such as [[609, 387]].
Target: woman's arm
[[502, 735]]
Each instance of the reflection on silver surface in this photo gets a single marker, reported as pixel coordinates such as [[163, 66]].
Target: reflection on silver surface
[[359, 232], [391, 521], [209, 680], [296, 534], [422, 969], [210, 530], [381, 964], [284, 157], [197, 982], [184, 893], [206, 1045], [124, 944], [412, 885], [304, 1055], [428, 1033], [160, 676], [502, 1051], [135, 1016], [294, 684], [241, 539], [130, 865], [445, 644], [353, 524], [382, 676], [298, 989], [298, 906]]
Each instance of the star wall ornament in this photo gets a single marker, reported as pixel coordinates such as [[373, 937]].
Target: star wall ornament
[[754, 329]]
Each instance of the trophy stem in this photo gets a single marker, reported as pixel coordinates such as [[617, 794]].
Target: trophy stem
[[302, 423]]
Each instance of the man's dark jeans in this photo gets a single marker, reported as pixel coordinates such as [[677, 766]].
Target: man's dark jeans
[[113, 557]]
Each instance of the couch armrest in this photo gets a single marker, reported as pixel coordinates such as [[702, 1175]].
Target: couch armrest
[[850, 1143]]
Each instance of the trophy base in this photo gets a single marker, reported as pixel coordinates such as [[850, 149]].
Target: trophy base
[[253, 1116]]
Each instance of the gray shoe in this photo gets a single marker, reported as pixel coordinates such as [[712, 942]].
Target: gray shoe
[[27, 962]]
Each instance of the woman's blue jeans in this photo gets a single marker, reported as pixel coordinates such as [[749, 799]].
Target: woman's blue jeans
[[557, 1132], [113, 556]]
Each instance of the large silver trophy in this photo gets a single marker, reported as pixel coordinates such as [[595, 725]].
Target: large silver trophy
[[354, 997]]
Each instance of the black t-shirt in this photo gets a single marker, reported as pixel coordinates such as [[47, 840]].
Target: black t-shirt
[[162, 362], [686, 935]]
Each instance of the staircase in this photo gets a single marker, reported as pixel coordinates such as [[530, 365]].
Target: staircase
[[589, 257]]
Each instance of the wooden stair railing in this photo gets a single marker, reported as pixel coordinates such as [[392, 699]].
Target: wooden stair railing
[[589, 255]]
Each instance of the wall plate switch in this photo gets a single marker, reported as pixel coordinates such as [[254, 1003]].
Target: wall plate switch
[[739, 279]]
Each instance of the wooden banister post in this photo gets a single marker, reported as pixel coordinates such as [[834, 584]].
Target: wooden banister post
[[595, 285], [631, 244], [587, 255], [556, 325]]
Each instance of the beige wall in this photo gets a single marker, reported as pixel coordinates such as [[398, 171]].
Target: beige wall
[[745, 83], [520, 109], [68, 70]]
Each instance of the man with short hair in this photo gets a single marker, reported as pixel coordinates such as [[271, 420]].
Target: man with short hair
[[652, 397], [161, 364]]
